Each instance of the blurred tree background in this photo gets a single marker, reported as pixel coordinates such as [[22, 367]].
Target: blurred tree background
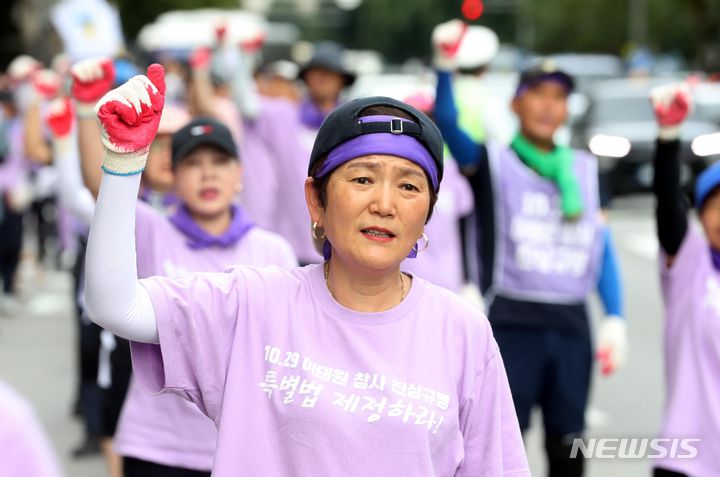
[[400, 29]]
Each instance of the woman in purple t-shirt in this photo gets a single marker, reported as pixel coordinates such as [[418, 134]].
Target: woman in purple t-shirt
[[690, 279], [344, 368]]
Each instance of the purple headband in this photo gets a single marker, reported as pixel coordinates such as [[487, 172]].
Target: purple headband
[[400, 145]]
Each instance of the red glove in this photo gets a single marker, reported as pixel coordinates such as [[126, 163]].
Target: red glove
[[671, 104], [254, 43], [200, 59], [129, 117], [60, 117], [46, 83], [92, 78], [220, 32]]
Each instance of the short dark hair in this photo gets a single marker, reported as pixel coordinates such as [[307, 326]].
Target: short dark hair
[[321, 183]]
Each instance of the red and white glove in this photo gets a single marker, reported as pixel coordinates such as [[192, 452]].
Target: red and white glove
[[129, 117], [46, 83], [446, 39], [220, 33], [672, 104], [22, 67], [612, 344], [253, 43], [92, 78], [60, 117], [200, 60]]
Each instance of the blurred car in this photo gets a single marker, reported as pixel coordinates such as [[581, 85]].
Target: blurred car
[[620, 129]]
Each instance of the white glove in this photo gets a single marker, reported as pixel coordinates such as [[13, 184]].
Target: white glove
[[446, 39], [612, 344]]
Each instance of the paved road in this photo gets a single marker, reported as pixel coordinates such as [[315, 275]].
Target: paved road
[[36, 355]]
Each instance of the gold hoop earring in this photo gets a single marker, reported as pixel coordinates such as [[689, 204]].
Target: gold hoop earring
[[314, 231], [427, 244]]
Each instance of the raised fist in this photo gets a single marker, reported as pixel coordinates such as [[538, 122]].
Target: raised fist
[[671, 104], [22, 67], [92, 78], [129, 117], [446, 39], [60, 117], [253, 43], [200, 59], [46, 83]]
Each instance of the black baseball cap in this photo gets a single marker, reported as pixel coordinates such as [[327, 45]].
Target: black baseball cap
[[344, 124], [200, 132], [545, 70]]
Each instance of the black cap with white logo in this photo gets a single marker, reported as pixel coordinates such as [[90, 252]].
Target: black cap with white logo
[[200, 132]]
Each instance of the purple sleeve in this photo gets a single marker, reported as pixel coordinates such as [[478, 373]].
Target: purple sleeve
[[196, 319], [493, 443]]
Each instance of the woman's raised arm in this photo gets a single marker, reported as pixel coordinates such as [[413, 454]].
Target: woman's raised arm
[[129, 116]]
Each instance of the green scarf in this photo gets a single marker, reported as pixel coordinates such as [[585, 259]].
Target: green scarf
[[556, 165]]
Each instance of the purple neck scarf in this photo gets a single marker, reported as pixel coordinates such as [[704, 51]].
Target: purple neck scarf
[[311, 115], [197, 238], [715, 254]]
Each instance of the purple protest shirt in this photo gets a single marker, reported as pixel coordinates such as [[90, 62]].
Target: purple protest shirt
[[260, 183], [300, 385], [691, 294], [289, 143], [167, 429], [441, 262], [540, 256], [26, 450]]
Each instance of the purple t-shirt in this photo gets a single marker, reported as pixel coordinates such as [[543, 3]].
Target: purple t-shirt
[[300, 385], [24, 448], [691, 292], [289, 144], [441, 262], [167, 429]]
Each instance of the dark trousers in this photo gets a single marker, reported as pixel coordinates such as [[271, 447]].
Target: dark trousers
[[11, 232], [139, 468], [551, 369], [45, 213], [90, 394]]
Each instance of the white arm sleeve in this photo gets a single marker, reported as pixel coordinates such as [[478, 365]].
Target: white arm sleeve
[[73, 194], [114, 297], [243, 89]]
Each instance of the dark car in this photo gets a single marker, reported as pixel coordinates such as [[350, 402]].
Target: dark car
[[620, 129]]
